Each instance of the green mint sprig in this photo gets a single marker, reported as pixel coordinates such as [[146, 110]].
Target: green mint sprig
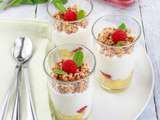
[[64, 1], [122, 26], [119, 44], [81, 14], [78, 58], [59, 4], [59, 72]]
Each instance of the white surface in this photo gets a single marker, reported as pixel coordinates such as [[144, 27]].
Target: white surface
[[22, 12], [40, 35], [151, 20]]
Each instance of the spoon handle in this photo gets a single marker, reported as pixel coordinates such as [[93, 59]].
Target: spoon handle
[[4, 107], [16, 109], [31, 109]]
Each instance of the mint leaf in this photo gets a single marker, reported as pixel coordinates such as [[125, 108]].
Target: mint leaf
[[122, 26], [58, 71], [81, 14], [61, 1], [78, 58], [64, 1], [59, 5], [119, 44]]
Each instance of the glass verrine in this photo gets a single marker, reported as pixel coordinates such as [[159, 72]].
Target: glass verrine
[[70, 93], [72, 31], [115, 40]]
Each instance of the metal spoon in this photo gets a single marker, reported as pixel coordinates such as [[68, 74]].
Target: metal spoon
[[31, 109], [22, 58], [5, 103], [17, 53], [22, 53]]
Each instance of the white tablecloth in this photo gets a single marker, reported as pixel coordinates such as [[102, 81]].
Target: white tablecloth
[[40, 35]]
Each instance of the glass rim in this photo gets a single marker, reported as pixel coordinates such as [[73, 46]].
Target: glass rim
[[62, 81], [111, 15], [51, 15]]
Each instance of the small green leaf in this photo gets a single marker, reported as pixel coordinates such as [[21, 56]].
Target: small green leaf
[[61, 1], [78, 58], [64, 1], [59, 72], [34, 1], [81, 14], [119, 44], [59, 5], [122, 26]]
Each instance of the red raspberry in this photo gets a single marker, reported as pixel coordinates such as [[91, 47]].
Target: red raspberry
[[69, 66], [70, 16], [119, 35]]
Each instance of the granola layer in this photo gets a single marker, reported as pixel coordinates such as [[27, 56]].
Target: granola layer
[[110, 48]]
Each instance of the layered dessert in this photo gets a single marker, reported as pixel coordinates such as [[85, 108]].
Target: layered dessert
[[70, 88], [72, 24], [116, 57]]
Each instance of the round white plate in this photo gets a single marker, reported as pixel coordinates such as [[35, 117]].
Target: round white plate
[[131, 103]]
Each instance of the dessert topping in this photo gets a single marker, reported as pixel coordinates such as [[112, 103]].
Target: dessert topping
[[81, 14], [119, 44], [78, 58], [58, 71], [70, 15], [59, 5], [119, 35], [122, 26], [69, 66]]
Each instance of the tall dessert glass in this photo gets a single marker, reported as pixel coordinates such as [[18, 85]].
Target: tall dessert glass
[[115, 40], [70, 30], [70, 93]]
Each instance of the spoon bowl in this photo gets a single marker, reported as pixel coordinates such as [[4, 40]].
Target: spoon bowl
[[23, 49]]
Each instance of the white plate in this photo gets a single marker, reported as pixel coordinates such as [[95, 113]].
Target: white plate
[[131, 103], [125, 106]]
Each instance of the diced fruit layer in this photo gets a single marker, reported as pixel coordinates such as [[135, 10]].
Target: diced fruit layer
[[115, 84]]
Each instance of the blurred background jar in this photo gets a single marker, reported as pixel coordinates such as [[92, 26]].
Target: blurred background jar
[[121, 3]]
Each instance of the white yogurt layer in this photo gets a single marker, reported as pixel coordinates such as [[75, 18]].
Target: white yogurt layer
[[118, 67], [70, 104], [82, 36]]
